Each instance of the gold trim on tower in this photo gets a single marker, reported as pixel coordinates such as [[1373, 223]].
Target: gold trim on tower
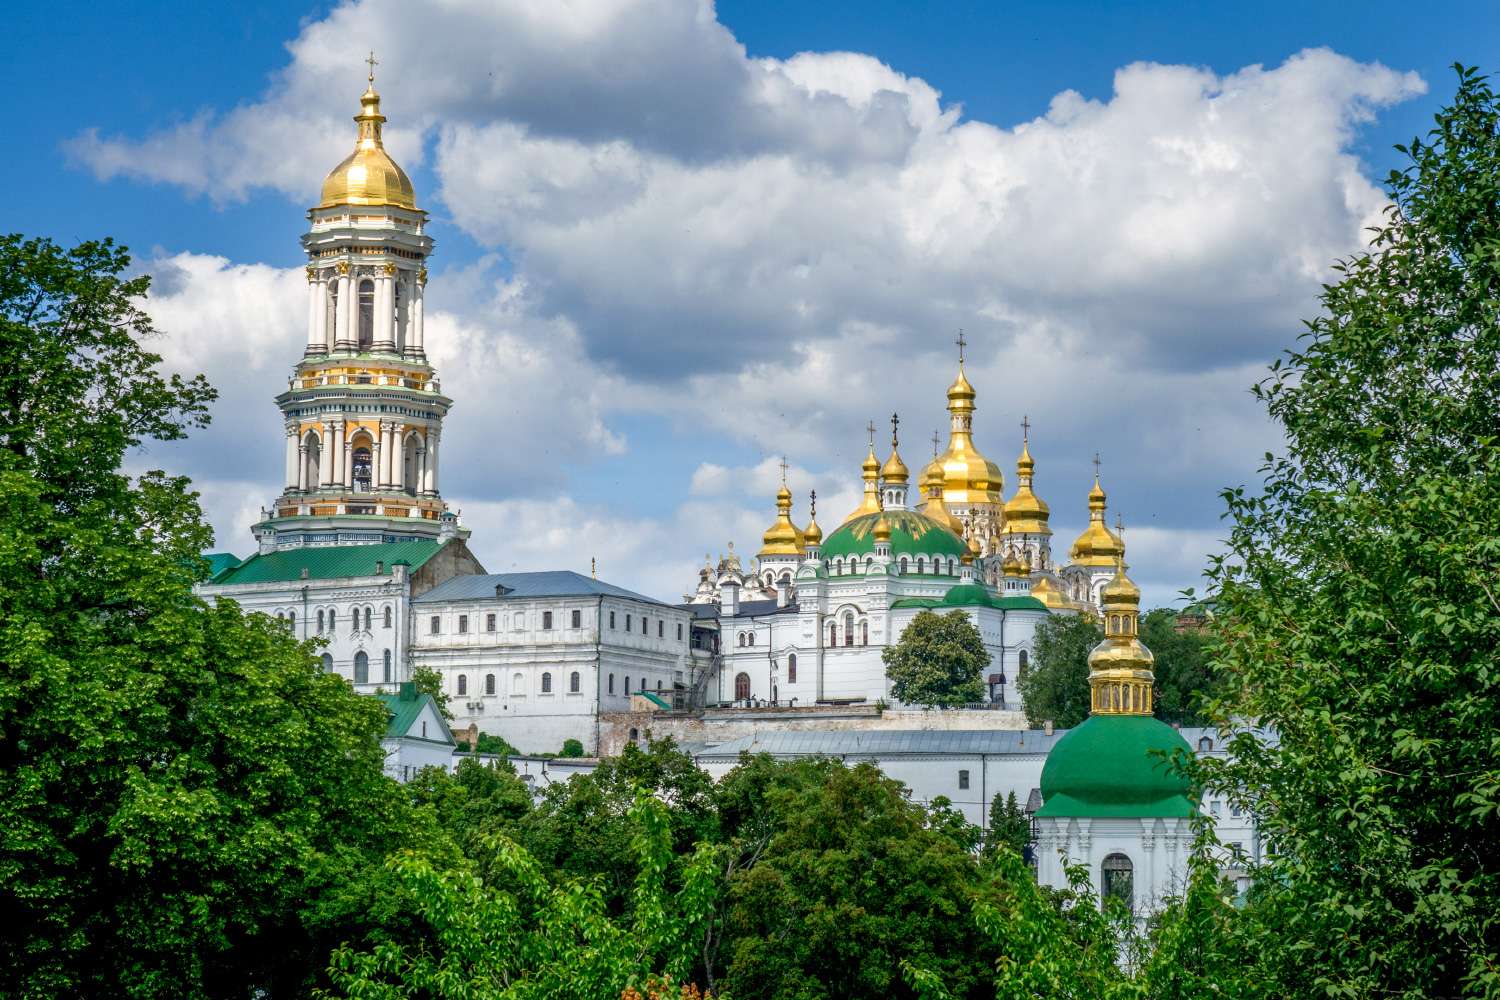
[[1120, 675]]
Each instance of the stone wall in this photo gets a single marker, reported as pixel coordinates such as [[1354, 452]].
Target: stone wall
[[723, 724]]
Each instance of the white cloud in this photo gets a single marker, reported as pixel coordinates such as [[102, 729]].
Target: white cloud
[[775, 251]]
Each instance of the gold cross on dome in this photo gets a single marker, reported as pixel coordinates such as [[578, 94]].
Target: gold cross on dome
[[870, 427], [1025, 428], [936, 438], [895, 423], [962, 343], [783, 470], [813, 504], [1096, 465], [372, 64]]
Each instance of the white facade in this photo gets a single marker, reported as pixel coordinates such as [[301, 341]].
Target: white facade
[[1154, 850], [534, 657]]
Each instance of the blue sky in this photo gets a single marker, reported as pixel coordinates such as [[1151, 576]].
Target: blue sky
[[667, 403]]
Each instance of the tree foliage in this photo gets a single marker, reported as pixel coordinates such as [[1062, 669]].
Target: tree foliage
[[1358, 609], [188, 806], [939, 660], [1055, 686], [1010, 828], [1184, 680]]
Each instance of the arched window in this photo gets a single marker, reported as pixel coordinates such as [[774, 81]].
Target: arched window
[[517, 683], [848, 628], [387, 616], [320, 621], [627, 685], [1118, 876], [611, 683], [838, 566], [751, 637], [921, 564], [1025, 659], [463, 685], [327, 662], [385, 673], [833, 633], [366, 313], [864, 633], [361, 667], [791, 668], [739, 640], [903, 564], [869, 563], [489, 684], [1205, 744], [573, 682], [368, 612], [332, 625], [546, 682], [359, 459], [742, 687]]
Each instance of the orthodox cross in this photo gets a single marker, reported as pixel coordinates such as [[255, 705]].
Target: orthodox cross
[[1025, 428], [871, 428], [783, 470], [936, 437], [895, 423], [961, 342], [813, 509], [372, 64], [593, 560], [1096, 465]]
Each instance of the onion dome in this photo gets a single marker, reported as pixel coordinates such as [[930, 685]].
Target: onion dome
[[1113, 764], [1012, 566], [812, 534], [968, 477], [368, 176], [870, 473], [1097, 546], [1044, 591], [894, 471], [783, 538], [1026, 513], [933, 506], [882, 530], [911, 534]]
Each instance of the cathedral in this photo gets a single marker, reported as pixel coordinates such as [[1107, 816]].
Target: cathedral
[[807, 622]]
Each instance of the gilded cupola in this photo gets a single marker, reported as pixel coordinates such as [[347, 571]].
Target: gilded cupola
[[368, 176], [1026, 513], [1097, 546], [968, 477], [782, 538], [870, 473], [812, 535], [1120, 675]]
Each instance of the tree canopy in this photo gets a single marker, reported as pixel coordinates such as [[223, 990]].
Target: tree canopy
[[1055, 685], [939, 660]]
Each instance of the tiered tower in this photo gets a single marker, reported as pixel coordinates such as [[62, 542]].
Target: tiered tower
[[363, 410], [972, 484]]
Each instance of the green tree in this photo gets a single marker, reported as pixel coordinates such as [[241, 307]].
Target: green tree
[[939, 660], [188, 805], [571, 748], [1358, 612], [1184, 681], [1010, 827], [430, 681], [1055, 687]]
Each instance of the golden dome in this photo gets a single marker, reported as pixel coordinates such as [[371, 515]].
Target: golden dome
[[368, 176], [933, 506], [782, 538], [1044, 591], [870, 472], [1026, 513], [882, 529], [1012, 566], [894, 470], [1120, 676], [1097, 546], [968, 477], [812, 534]]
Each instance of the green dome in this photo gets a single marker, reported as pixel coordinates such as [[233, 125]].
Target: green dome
[[968, 595], [1106, 767], [912, 534]]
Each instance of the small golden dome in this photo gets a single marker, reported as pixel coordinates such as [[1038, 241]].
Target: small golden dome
[[974, 546], [870, 473], [960, 389], [368, 176], [812, 534], [1121, 593], [783, 538], [1097, 546], [968, 477], [882, 529], [894, 470], [1012, 566], [1044, 591], [1026, 513]]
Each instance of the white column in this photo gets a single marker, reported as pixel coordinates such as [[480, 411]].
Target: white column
[[385, 310], [377, 479], [343, 335], [432, 461], [418, 293], [393, 457], [340, 454], [301, 468], [421, 483], [325, 457], [314, 310], [398, 461], [321, 331], [291, 456]]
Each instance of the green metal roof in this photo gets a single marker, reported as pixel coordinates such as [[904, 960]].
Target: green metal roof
[[972, 595], [405, 708], [327, 563], [218, 562], [1110, 767], [654, 699], [912, 534]]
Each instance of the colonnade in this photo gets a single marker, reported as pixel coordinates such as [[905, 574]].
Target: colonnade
[[333, 310], [323, 458]]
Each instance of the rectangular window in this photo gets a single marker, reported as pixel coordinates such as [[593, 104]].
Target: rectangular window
[[659, 628], [611, 619], [547, 620], [520, 622], [489, 623], [627, 623], [437, 624], [463, 624], [963, 779], [645, 625], [578, 619], [679, 631]]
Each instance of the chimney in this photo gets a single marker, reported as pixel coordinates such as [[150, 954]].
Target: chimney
[[1047, 727], [729, 598], [379, 567], [783, 594]]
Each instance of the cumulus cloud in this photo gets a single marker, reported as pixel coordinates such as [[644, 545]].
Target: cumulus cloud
[[775, 251]]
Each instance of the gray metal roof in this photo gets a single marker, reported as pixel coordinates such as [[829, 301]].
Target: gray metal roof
[[889, 742], [761, 608], [551, 583]]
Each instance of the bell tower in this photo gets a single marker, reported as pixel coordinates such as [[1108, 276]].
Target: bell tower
[[363, 410]]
